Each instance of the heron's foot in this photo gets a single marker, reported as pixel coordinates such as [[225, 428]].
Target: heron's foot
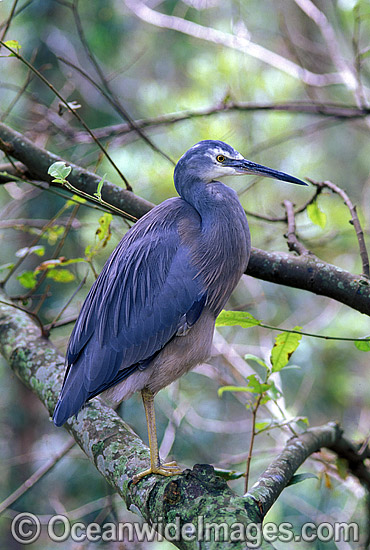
[[168, 469]]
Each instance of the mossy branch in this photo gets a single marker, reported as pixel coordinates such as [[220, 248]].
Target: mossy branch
[[115, 450], [198, 495]]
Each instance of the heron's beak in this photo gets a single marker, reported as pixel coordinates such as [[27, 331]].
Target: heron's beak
[[247, 167]]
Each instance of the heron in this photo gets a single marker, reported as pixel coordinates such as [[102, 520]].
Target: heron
[[150, 315]]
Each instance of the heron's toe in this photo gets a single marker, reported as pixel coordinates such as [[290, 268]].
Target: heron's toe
[[167, 469]]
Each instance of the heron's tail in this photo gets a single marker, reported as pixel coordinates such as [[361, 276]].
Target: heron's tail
[[71, 398]]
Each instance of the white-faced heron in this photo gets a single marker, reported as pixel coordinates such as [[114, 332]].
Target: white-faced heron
[[150, 315]]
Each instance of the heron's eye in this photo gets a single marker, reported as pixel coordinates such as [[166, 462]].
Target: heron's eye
[[220, 158]]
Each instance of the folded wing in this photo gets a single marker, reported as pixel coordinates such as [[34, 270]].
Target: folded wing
[[147, 292]]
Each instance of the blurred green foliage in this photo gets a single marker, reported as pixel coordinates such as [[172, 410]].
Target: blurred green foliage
[[154, 72]]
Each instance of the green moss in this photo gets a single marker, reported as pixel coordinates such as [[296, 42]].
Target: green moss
[[97, 448]]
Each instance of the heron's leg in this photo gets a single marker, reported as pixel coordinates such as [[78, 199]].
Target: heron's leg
[[156, 467]]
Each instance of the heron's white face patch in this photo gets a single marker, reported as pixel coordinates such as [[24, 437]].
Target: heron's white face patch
[[218, 169], [219, 151]]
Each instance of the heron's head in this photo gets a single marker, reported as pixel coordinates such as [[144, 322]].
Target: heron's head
[[209, 160]]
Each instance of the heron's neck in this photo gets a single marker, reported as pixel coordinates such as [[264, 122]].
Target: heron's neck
[[200, 195], [215, 202], [221, 251]]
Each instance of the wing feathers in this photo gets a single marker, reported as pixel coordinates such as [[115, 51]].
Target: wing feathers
[[145, 293]]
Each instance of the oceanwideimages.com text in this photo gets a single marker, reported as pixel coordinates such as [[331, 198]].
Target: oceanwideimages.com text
[[26, 528]]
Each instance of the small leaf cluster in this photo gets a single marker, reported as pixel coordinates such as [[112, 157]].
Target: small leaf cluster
[[59, 171], [263, 388]]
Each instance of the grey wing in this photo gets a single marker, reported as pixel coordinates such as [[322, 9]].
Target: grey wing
[[146, 292]]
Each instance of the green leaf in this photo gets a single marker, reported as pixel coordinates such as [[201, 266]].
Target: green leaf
[[297, 478], [231, 388], [274, 392], [285, 344], [4, 267], [228, 474], [60, 171], [342, 467], [52, 234], [231, 318], [103, 231], [97, 194], [251, 357], [317, 216], [38, 250], [58, 262], [60, 275], [363, 345], [262, 425], [255, 385], [27, 279], [14, 44]]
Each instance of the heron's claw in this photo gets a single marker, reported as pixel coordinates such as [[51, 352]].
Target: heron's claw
[[168, 469]]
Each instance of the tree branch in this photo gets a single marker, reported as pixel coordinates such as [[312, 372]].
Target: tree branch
[[115, 450], [198, 495], [306, 273], [354, 221], [279, 473], [312, 274], [292, 240], [232, 41], [38, 160], [334, 110]]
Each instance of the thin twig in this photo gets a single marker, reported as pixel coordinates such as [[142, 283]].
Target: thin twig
[[354, 221], [110, 96], [284, 218], [9, 20], [292, 240], [235, 42], [335, 110], [61, 323], [253, 435], [73, 111], [56, 321], [333, 48], [34, 478], [19, 10]]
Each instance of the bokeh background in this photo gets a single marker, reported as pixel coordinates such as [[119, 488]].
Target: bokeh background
[[174, 82]]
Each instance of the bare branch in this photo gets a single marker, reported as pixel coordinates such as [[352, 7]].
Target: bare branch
[[39, 474], [312, 274], [235, 42], [282, 469], [38, 160], [354, 221], [73, 111], [293, 243], [338, 111], [333, 47]]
